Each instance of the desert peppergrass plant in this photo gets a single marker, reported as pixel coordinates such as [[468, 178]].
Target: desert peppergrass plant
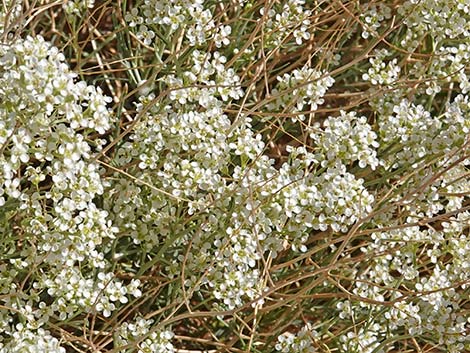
[[234, 176]]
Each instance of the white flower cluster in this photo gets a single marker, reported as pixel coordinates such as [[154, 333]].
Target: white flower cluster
[[411, 134], [345, 139], [334, 198], [24, 340], [145, 339], [77, 7], [447, 65], [299, 90], [207, 70], [363, 340], [197, 21], [74, 292], [301, 342], [382, 73], [455, 59], [289, 20], [373, 18], [440, 19]]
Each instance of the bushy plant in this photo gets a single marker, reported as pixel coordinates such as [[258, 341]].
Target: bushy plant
[[234, 176]]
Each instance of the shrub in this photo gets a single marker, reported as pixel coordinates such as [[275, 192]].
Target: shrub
[[234, 176]]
